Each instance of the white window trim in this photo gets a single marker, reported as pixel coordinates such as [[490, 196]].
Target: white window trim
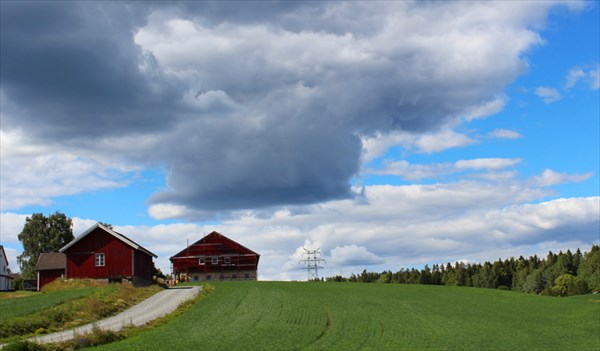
[[99, 260], [201, 261], [214, 260], [227, 260]]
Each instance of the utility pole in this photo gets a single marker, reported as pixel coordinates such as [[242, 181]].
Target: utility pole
[[312, 260]]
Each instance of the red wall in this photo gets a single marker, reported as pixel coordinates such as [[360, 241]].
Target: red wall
[[48, 276], [81, 257], [215, 245]]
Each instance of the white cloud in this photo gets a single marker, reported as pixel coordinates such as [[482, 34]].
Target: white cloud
[[446, 139], [486, 109], [504, 134], [10, 227], [589, 77], [378, 145], [573, 76], [595, 78], [352, 255], [548, 95], [487, 163], [168, 211], [34, 173], [396, 225], [550, 177], [409, 171]]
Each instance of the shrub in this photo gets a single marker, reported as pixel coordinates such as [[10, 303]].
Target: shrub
[[23, 346]]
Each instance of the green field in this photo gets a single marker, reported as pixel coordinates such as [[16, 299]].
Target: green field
[[347, 316], [22, 306]]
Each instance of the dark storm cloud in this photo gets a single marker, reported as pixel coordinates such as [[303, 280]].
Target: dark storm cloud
[[72, 69], [247, 104]]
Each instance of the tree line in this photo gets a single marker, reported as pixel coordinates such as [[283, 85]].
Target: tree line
[[561, 274]]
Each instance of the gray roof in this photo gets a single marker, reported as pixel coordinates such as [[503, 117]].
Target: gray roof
[[51, 260]]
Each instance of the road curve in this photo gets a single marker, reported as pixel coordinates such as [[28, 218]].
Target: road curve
[[155, 306]]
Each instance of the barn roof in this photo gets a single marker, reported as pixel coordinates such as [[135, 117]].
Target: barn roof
[[51, 260], [117, 235], [223, 238]]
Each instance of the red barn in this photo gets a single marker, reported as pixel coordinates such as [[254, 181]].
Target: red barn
[[49, 267], [216, 257], [102, 253]]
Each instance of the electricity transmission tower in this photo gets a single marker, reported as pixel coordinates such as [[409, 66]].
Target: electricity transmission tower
[[312, 260]]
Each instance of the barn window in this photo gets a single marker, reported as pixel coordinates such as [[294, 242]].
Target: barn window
[[215, 260], [246, 276], [221, 277], [201, 261], [233, 276], [99, 261], [208, 277], [227, 260]]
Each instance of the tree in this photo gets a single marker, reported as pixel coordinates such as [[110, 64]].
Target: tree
[[568, 285], [42, 234], [589, 268]]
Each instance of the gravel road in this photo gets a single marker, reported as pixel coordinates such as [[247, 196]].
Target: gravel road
[[153, 307]]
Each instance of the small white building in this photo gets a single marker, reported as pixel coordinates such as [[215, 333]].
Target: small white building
[[5, 278]]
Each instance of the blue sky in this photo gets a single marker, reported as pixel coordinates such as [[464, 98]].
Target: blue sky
[[385, 142]]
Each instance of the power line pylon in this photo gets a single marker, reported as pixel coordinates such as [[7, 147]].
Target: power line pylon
[[312, 260]]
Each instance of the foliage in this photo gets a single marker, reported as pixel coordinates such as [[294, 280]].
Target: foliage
[[24, 346], [42, 234], [328, 316], [17, 283], [569, 285], [589, 269], [532, 275]]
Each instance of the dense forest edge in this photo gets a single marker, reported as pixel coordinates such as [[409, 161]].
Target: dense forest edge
[[562, 274]]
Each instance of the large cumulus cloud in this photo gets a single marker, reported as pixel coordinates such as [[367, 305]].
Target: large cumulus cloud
[[250, 105]]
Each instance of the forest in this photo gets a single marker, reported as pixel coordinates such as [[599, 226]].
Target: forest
[[562, 274]]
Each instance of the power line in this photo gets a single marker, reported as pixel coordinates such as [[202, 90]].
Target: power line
[[312, 260]]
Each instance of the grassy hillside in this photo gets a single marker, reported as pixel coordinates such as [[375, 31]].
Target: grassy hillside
[[347, 316], [22, 306], [64, 305]]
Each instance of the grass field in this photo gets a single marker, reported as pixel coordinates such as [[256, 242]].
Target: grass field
[[347, 316], [22, 306]]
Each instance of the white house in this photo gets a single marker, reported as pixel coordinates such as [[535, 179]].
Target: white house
[[5, 279]]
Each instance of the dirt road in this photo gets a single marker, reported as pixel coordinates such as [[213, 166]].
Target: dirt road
[[153, 307]]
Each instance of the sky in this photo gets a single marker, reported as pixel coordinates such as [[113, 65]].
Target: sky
[[386, 134]]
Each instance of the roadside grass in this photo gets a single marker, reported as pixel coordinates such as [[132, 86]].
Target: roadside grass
[[349, 316], [22, 306], [101, 337], [64, 305]]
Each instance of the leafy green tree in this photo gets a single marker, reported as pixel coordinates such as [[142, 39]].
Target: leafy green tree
[[535, 282], [568, 285], [589, 268], [42, 234]]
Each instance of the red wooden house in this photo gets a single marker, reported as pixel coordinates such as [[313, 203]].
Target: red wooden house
[[215, 257], [49, 267], [102, 253]]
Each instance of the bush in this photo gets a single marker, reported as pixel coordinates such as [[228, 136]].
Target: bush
[[23, 346]]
